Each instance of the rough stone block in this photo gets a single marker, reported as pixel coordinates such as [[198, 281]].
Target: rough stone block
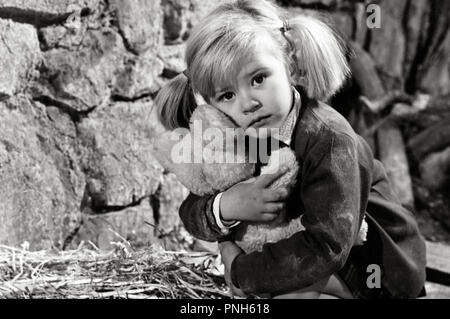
[[20, 54], [33, 200], [140, 22]]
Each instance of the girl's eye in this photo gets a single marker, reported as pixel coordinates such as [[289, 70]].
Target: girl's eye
[[226, 96], [258, 80]]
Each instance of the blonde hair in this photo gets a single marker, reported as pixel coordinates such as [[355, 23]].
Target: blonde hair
[[228, 36], [320, 57]]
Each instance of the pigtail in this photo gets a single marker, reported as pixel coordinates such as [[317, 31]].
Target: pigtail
[[175, 103], [319, 57]]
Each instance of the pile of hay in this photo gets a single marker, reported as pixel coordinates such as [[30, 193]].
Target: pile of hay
[[121, 273]]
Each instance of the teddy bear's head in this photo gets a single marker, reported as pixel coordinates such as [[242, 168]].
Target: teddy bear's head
[[210, 156]]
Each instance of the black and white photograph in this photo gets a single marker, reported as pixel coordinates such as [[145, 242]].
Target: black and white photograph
[[241, 151]]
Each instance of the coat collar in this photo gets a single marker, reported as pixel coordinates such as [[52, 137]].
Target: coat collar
[[288, 127]]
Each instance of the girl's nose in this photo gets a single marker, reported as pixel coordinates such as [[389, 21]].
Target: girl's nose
[[250, 106]]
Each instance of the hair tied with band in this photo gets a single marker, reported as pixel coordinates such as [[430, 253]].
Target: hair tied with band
[[286, 27]]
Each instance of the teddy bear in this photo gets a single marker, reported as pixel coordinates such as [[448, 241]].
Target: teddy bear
[[211, 156]]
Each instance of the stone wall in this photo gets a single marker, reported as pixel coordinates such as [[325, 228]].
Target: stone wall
[[77, 83]]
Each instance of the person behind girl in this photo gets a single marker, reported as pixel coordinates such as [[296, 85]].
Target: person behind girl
[[266, 71]]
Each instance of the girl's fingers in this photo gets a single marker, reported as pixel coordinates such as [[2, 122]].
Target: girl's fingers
[[266, 179], [265, 218], [273, 208], [247, 181], [276, 195]]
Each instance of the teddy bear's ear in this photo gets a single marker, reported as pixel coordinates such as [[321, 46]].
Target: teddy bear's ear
[[173, 150], [164, 144]]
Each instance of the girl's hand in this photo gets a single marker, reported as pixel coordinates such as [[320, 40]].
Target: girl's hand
[[229, 250], [252, 200]]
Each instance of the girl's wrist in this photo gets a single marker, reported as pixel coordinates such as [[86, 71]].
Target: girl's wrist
[[226, 219], [225, 214]]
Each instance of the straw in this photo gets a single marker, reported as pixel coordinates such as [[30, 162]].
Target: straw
[[123, 272]]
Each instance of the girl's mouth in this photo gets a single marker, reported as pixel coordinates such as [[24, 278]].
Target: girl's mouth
[[260, 121]]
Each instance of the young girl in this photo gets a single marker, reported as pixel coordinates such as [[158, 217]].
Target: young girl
[[265, 71]]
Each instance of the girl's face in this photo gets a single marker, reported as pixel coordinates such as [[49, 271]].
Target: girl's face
[[261, 96]]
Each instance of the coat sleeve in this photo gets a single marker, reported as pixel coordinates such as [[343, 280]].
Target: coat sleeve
[[334, 189], [196, 213]]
